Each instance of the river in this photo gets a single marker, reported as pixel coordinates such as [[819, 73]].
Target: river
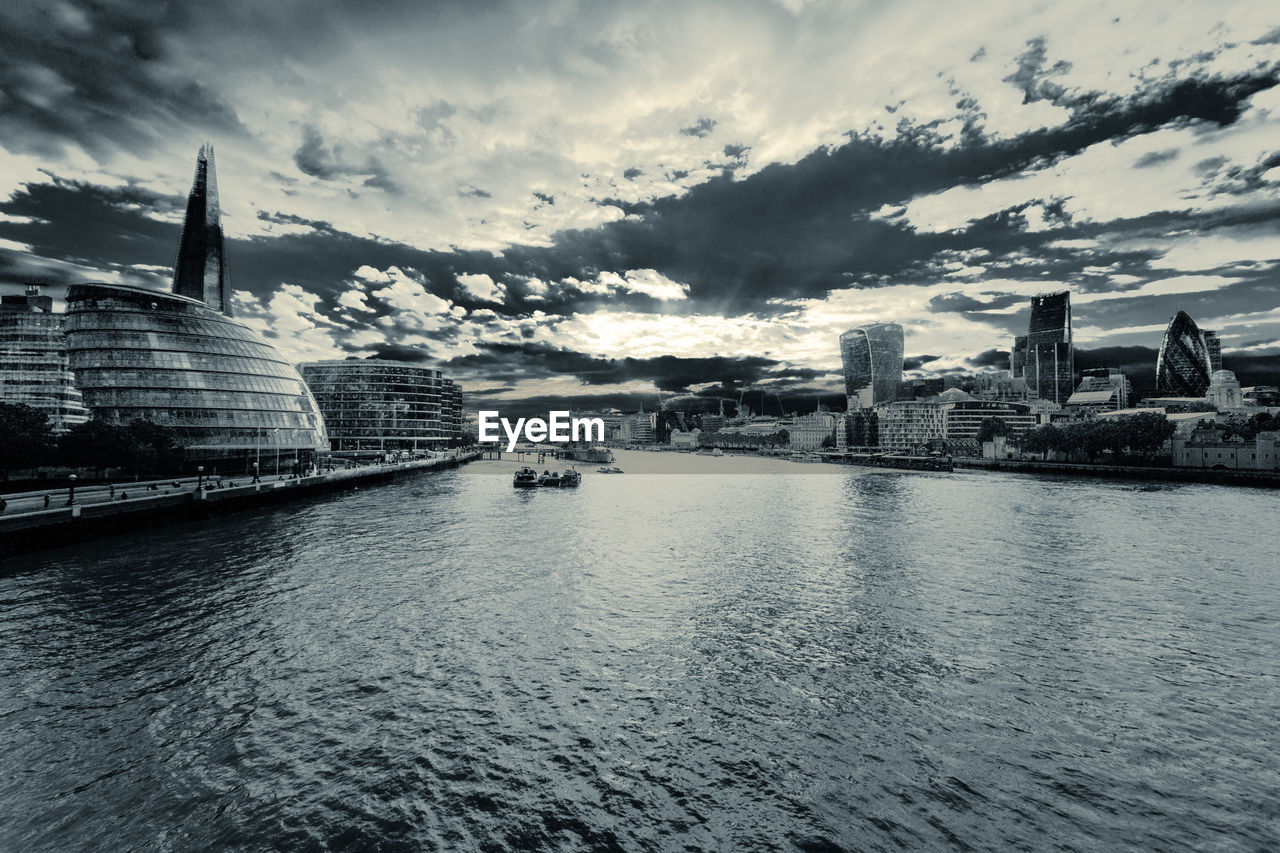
[[723, 654]]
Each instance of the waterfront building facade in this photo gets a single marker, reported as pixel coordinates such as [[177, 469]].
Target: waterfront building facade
[[200, 271], [1048, 356], [34, 367], [907, 424], [1206, 447], [229, 396], [685, 440], [637, 428], [816, 431], [374, 405], [953, 416], [1183, 366], [872, 360]]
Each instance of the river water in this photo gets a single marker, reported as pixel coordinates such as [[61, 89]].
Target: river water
[[743, 655]]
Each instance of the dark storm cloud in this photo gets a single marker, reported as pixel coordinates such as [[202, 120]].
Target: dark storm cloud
[[319, 160], [398, 352], [992, 358], [701, 128], [1155, 158], [667, 372], [918, 361], [99, 75], [793, 231], [1033, 73]]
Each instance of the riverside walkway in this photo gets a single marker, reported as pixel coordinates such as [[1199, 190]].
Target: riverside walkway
[[99, 510]]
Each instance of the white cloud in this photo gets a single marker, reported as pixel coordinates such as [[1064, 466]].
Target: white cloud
[[482, 287]]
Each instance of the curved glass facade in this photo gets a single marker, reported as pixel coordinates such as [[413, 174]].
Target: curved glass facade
[[872, 359], [174, 361], [376, 405], [1183, 367]]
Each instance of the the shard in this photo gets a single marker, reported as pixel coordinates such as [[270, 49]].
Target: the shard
[[200, 271]]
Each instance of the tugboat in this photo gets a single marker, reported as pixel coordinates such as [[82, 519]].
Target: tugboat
[[549, 478], [570, 478], [524, 478]]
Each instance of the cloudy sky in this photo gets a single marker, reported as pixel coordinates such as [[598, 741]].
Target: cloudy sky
[[600, 202]]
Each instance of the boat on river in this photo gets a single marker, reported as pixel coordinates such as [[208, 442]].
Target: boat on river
[[549, 478], [570, 478], [525, 478]]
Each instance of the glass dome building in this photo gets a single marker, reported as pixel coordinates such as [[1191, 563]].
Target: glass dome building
[[1183, 366], [175, 361]]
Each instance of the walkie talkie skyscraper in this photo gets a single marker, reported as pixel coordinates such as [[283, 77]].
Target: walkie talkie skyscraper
[[200, 271]]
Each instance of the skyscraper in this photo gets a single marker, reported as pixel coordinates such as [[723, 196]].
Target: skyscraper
[[1214, 347], [1018, 358], [1049, 365], [200, 271], [872, 358], [1183, 366]]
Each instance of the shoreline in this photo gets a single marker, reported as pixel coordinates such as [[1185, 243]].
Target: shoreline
[[23, 533]]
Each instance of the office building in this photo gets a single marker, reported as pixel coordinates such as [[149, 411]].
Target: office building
[[953, 416], [1213, 346], [816, 431], [1183, 366], [872, 361], [229, 397], [34, 368], [1100, 390], [374, 405], [1045, 358]]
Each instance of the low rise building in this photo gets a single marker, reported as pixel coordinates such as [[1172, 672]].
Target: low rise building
[[953, 416], [685, 440], [1206, 447], [1100, 390], [816, 431]]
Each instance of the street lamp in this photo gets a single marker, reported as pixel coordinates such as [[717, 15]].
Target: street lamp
[[200, 480], [71, 497], [255, 472]]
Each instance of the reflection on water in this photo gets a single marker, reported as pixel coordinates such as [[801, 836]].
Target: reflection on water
[[866, 660]]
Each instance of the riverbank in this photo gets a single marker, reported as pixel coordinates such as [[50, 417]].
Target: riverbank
[[23, 532], [1261, 479]]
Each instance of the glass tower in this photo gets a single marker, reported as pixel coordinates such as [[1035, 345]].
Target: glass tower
[[1183, 368], [872, 358], [1049, 359], [200, 271], [228, 394], [1213, 344]]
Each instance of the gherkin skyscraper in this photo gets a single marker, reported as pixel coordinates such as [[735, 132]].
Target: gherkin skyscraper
[[200, 271]]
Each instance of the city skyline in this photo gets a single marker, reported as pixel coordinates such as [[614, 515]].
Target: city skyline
[[667, 220]]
